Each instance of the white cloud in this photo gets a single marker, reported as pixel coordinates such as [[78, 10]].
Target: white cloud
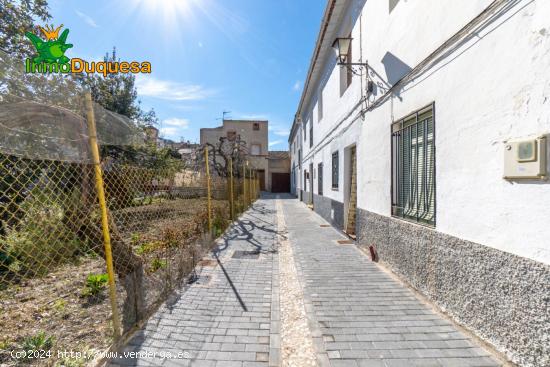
[[279, 130], [87, 19], [170, 132], [297, 86], [176, 122], [172, 128], [255, 117], [169, 90], [275, 142]]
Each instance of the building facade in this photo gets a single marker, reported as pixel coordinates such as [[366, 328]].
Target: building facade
[[254, 134], [430, 143]]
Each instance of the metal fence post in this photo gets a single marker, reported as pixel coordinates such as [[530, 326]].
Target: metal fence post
[[103, 207], [249, 186], [209, 204], [244, 186], [258, 185], [231, 201]]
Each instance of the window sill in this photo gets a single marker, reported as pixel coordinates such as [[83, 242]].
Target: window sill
[[412, 221]]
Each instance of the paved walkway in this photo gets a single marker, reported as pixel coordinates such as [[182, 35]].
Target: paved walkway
[[357, 315]]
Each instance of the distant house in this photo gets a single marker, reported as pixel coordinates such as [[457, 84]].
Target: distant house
[[254, 133]]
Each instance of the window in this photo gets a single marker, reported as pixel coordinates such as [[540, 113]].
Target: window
[[320, 179], [231, 135], [346, 74], [320, 106], [305, 131], [310, 133], [300, 158], [413, 167], [256, 126], [335, 168], [255, 149]]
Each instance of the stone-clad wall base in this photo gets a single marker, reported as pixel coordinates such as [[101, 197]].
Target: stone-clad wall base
[[325, 207], [503, 298]]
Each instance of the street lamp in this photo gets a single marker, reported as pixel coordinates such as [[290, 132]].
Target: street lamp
[[342, 48]]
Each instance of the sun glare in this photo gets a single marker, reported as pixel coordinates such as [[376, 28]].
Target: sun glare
[[170, 15]]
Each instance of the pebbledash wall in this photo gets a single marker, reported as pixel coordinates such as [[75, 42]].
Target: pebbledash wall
[[486, 260]]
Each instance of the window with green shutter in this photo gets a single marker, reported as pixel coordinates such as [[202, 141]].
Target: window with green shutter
[[413, 167], [335, 170]]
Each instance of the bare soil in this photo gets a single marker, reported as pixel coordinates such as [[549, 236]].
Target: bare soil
[[54, 304]]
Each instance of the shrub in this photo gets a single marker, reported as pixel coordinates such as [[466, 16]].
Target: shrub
[[149, 247], [39, 341], [157, 264], [95, 283], [41, 240]]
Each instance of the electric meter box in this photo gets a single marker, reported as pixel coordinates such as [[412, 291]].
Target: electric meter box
[[525, 159]]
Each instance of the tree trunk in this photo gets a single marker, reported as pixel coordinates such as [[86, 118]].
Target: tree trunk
[[86, 222]]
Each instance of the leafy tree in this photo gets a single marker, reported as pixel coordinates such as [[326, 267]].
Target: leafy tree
[[115, 92], [18, 17]]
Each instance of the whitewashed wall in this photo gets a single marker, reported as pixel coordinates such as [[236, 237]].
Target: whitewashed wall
[[494, 87]]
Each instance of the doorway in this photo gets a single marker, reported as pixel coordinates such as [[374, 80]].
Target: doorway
[[261, 176], [350, 194], [311, 184]]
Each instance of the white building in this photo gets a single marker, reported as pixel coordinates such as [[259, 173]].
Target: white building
[[451, 88]]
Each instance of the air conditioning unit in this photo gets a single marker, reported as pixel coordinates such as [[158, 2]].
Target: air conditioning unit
[[525, 158]]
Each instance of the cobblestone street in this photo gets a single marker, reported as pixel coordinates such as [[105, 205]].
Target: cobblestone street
[[356, 314]]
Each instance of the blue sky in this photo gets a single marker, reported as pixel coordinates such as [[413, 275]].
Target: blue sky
[[249, 57]]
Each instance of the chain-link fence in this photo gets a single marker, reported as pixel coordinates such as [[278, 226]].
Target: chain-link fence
[[98, 224]]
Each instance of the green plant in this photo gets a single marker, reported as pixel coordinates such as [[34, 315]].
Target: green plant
[[5, 344], [157, 264], [148, 247], [60, 305], [41, 240], [219, 222], [134, 240], [95, 283], [40, 341]]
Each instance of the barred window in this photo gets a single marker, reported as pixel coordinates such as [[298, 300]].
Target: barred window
[[311, 133], [413, 167], [335, 168]]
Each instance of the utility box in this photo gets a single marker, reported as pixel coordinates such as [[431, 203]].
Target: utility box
[[525, 158]]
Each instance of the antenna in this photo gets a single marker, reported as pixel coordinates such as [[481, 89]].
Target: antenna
[[225, 113]]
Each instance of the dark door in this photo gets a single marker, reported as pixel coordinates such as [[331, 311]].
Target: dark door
[[280, 182], [261, 175], [311, 183]]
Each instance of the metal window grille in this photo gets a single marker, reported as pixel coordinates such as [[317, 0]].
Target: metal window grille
[[335, 170], [413, 167], [311, 134]]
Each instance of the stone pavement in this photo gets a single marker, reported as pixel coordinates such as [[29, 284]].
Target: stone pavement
[[357, 314], [226, 318]]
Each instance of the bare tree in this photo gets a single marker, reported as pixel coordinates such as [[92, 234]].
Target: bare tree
[[222, 152]]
